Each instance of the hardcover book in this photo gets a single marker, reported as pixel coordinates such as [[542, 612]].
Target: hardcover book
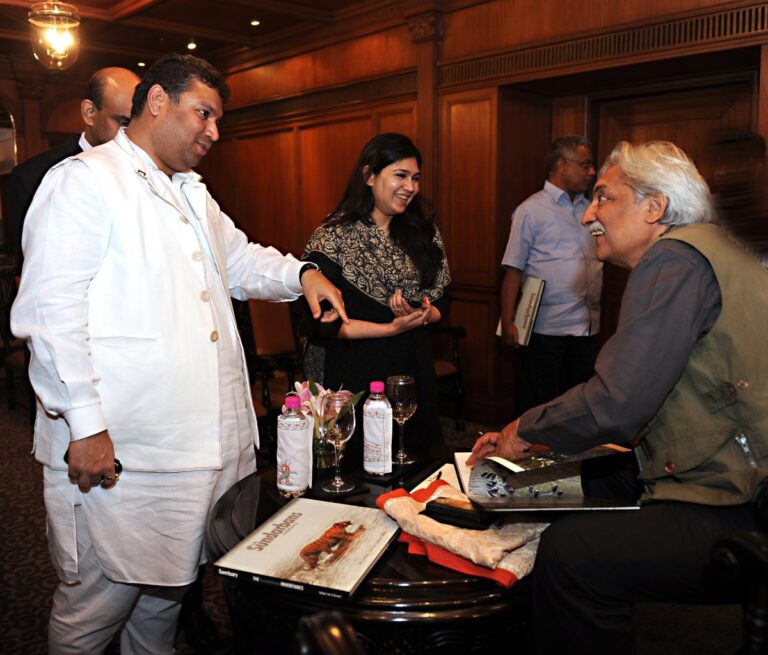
[[531, 291], [538, 480], [312, 545]]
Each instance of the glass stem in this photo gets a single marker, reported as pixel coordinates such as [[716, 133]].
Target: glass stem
[[337, 479], [400, 429]]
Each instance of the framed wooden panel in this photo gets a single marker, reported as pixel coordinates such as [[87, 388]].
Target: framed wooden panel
[[468, 161], [327, 152], [401, 120], [255, 180]]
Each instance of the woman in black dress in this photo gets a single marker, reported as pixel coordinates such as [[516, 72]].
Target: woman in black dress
[[387, 258]]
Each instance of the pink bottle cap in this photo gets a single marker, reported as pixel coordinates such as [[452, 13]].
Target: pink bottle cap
[[377, 387], [292, 402]]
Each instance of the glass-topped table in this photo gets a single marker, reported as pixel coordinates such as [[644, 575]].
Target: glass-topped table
[[405, 605]]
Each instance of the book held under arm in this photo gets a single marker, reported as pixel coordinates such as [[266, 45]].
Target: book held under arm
[[312, 545], [531, 291]]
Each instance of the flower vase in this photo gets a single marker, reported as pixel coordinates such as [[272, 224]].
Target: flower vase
[[323, 455]]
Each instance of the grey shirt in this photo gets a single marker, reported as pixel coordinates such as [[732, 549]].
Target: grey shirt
[[672, 299]]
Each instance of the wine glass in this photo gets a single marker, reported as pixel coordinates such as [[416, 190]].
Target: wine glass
[[337, 423], [401, 390]]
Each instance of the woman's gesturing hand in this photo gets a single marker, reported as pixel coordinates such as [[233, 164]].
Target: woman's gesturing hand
[[410, 321]]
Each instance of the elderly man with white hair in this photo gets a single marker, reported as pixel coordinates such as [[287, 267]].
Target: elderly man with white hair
[[683, 381]]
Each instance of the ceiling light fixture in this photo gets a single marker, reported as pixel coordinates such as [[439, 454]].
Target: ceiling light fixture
[[255, 23], [54, 34], [191, 45], [141, 64]]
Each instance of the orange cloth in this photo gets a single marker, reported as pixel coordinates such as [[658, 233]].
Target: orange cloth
[[508, 562]]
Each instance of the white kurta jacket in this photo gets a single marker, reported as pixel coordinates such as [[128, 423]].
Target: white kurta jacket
[[112, 301]]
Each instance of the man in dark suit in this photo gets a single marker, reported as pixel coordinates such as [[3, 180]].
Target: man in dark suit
[[105, 108]]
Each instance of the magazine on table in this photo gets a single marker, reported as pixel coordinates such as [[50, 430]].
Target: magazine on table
[[312, 545], [538, 480]]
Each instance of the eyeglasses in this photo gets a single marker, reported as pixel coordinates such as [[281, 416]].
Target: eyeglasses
[[586, 164]]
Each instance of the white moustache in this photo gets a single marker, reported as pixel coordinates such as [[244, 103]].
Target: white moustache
[[596, 228]]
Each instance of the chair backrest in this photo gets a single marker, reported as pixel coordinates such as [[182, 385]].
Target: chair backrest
[[272, 327], [326, 633]]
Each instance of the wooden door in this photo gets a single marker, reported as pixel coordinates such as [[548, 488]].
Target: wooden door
[[690, 118]]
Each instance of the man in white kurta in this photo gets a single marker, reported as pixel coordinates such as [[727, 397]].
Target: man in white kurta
[[125, 301]]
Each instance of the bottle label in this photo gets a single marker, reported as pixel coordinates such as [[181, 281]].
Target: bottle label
[[294, 455], [377, 439]]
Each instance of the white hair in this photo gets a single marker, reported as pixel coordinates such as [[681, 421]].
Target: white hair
[[660, 167]]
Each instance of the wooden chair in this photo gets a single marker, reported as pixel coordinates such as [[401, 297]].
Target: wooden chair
[[742, 560], [326, 633], [448, 369], [274, 361]]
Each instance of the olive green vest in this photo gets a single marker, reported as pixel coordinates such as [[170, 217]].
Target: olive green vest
[[708, 444]]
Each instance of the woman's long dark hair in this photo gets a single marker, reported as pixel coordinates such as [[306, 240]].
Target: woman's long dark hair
[[412, 230]]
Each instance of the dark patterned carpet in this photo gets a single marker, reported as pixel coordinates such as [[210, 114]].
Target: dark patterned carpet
[[27, 579]]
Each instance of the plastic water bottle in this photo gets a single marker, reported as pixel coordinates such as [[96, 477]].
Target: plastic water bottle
[[294, 449], [377, 432]]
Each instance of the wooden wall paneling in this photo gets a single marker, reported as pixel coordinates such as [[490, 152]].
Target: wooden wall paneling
[[30, 140], [467, 216], [372, 56], [761, 120], [223, 179], [62, 116], [324, 103], [279, 182], [328, 152], [426, 30], [525, 127], [529, 36], [255, 178], [569, 116], [401, 120], [473, 308], [687, 117], [468, 164], [505, 23]]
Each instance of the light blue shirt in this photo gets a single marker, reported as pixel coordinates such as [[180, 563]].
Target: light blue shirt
[[548, 241]]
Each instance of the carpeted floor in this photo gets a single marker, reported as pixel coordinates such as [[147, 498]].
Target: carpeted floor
[[27, 580]]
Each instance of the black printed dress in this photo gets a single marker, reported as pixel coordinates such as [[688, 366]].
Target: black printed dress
[[364, 263]]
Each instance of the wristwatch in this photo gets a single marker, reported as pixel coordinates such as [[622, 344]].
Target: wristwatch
[[305, 268]]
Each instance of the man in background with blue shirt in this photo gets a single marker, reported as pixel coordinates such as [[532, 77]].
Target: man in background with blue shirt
[[547, 241]]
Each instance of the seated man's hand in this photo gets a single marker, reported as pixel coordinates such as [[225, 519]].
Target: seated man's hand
[[506, 443]]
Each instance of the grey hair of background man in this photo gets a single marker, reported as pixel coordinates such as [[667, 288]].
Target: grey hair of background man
[[562, 146], [660, 167]]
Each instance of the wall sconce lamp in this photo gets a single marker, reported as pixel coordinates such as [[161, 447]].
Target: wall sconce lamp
[[54, 34]]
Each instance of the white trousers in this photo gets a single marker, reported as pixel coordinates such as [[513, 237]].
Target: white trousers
[[87, 615]]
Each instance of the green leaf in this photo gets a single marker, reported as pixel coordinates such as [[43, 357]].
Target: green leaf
[[353, 400], [313, 388]]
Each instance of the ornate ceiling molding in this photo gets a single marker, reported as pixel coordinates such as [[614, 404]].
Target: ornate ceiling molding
[[426, 27], [715, 30]]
